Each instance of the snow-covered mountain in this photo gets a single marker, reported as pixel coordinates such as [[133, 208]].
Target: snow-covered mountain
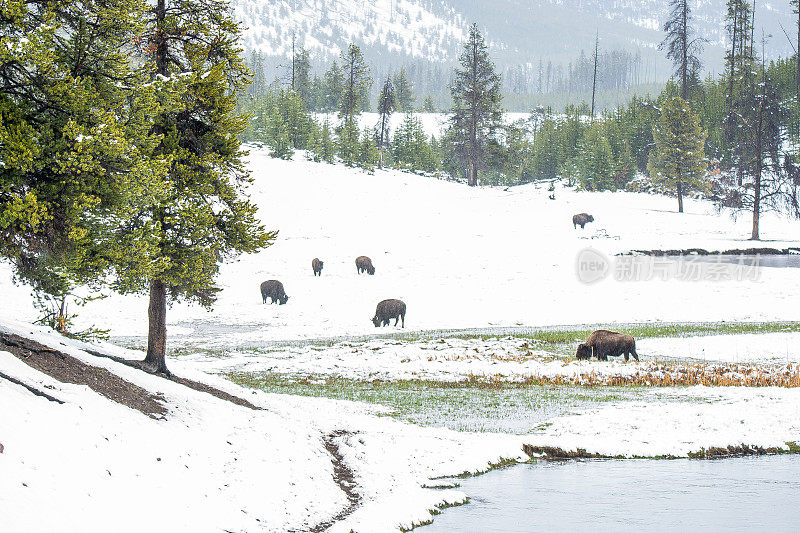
[[520, 31], [415, 28]]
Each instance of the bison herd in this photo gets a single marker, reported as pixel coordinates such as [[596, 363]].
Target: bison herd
[[386, 310], [601, 344]]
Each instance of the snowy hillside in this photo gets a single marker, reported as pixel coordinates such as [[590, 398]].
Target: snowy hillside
[[520, 32], [325, 26]]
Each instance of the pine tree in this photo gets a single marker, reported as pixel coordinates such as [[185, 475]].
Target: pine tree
[[678, 159], [368, 151], [386, 106], [333, 87], [200, 214], [327, 145], [596, 162], [356, 82], [767, 185], [682, 46], [476, 112], [301, 83], [428, 106], [75, 140], [404, 91], [348, 142]]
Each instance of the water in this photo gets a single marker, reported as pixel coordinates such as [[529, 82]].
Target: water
[[767, 260], [725, 495]]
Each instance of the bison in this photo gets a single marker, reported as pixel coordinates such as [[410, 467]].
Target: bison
[[603, 343], [273, 289], [581, 219], [364, 264], [316, 264], [387, 310]]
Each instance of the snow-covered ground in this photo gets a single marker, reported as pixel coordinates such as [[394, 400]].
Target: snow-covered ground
[[510, 359], [459, 257], [212, 465], [432, 123]]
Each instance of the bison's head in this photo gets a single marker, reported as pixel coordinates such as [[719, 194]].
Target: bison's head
[[590, 218], [371, 270], [284, 299], [376, 321], [321, 263], [583, 352]]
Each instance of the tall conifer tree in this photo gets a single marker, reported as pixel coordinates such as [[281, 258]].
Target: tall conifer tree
[[476, 112], [201, 214]]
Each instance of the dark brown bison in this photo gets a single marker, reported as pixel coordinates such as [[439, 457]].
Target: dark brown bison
[[364, 264], [387, 310], [316, 264], [581, 219], [273, 289], [603, 343]]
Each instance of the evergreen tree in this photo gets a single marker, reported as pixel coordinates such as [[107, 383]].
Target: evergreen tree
[[678, 159], [596, 162], [356, 82], [682, 46], [767, 183], [740, 66], [428, 106], [404, 91], [386, 106], [75, 140], [368, 151], [200, 214], [258, 84], [327, 144], [301, 80], [476, 112], [348, 142], [333, 85]]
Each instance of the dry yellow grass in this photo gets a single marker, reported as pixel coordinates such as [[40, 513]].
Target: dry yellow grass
[[660, 374]]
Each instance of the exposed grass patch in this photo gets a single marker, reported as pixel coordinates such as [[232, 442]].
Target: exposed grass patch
[[507, 407]]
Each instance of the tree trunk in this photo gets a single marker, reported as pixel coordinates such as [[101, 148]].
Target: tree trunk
[[680, 198], [472, 179], [759, 155], [157, 330], [594, 77], [685, 52]]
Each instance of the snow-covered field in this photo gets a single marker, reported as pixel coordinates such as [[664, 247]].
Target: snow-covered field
[[460, 258]]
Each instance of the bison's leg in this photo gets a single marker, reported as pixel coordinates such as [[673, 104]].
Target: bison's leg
[[635, 355], [626, 357], [403, 317]]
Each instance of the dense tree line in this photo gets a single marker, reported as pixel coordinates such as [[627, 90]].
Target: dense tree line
[[723, 137]]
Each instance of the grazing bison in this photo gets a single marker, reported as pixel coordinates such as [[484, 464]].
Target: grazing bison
[[364, 264], [273, 289], [316, 264], [603, 343], [581, 219], [387, 310]]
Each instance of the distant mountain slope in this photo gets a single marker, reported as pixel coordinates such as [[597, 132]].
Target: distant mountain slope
[[325, 26], [520, 31]]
